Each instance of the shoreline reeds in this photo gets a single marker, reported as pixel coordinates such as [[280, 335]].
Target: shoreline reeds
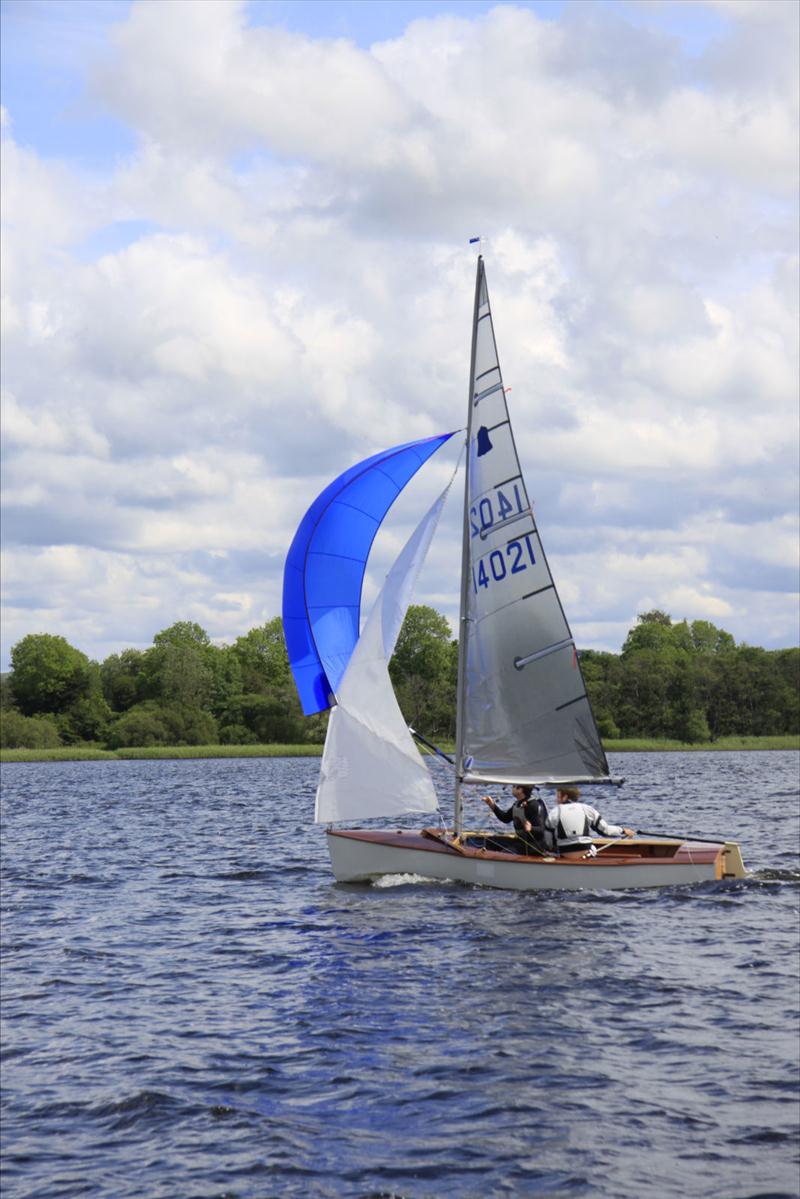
[[91, 753]]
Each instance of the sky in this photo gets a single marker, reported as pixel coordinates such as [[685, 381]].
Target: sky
[[236, 260]]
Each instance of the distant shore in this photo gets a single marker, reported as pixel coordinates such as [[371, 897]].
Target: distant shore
[[89, 753]]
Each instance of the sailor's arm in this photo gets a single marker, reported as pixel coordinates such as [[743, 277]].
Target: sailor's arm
[[499, 813], [611, 830]]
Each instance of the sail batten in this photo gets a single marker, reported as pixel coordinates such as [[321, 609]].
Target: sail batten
[[520, 663]]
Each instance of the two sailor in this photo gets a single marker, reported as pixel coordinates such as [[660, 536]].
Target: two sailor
[[569, 825]]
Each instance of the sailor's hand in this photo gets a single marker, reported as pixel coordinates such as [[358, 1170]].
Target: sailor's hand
[[528, 826], [487, 799], [628, 832]]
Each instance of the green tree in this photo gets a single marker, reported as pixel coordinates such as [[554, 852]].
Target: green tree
[[708, 639], [602, 675], [786, 664], [27, 732], [644, 708], [262, 657], [226, 680], [6, 692], [141, 725], [185, 675], [274, 717], [183, 632], [47, 674], [423, 670], [178, 667], [691, 726], [87, 719], [151, 723], [237, 734], [652, 631], [423, 645], [124, 679]]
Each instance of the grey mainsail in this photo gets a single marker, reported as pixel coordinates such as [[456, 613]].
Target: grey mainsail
[[524, 715]]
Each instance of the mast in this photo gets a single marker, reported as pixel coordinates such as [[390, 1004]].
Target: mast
[[465, 566]]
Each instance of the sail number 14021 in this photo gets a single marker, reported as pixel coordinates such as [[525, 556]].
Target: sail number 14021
[[512, 559], [492, 510]]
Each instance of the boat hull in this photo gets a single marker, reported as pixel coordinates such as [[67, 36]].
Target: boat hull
[[359, 855]]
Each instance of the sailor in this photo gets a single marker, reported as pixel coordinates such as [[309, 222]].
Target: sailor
[[574, 822], [528, 813]]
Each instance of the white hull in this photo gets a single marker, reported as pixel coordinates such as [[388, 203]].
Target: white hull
[[357, 856]]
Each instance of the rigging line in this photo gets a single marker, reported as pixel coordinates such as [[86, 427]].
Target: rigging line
[[492, 837], [429, 745], [530, 844]]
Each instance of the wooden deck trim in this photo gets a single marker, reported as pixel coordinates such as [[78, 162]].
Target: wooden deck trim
[[432, 841]]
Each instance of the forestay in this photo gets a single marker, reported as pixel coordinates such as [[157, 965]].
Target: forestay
[[370, 764], [526, 716]]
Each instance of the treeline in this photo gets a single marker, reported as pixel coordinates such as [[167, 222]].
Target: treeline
[[688, 682], [693, 683], [183, 690]]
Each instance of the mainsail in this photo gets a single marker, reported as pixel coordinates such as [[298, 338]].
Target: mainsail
[[524, 715]]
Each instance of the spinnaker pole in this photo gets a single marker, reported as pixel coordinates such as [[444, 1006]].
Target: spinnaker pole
[[461, 691]]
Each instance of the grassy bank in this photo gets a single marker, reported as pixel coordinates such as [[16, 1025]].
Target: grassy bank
[[645, 744], [82, 753]]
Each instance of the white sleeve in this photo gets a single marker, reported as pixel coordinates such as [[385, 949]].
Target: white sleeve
[[602, 826]]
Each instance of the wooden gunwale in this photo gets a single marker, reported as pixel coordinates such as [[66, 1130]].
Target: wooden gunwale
[[629, 853]]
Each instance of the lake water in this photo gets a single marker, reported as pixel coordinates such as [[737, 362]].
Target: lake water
[[192, 1008]]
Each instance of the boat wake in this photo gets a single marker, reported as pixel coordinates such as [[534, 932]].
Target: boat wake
[[775, 876], [403, 880]]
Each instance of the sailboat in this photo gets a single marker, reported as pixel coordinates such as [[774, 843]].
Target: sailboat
[[523, 714]]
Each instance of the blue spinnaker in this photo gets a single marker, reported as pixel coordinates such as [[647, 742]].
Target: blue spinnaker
[[326, 562]]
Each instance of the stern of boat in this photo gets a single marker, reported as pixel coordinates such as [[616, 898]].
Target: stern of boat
[[731, 862]]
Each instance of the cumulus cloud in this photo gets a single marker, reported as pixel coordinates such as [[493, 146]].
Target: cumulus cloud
[[275, 282]]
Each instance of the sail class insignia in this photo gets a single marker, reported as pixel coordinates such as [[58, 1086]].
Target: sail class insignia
[[483, 441]]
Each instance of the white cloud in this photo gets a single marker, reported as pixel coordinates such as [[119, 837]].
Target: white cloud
[[198, 337]]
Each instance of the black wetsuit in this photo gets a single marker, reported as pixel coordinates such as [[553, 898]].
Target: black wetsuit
[[540, 839]]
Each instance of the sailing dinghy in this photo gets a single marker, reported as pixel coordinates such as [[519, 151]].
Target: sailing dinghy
[[523, 715]]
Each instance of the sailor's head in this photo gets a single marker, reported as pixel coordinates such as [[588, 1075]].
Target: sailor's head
[[521, 792], [568, 794]]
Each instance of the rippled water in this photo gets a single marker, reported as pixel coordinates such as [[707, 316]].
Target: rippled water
[[193, 1008]]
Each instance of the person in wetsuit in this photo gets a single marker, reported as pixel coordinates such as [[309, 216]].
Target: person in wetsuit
[[529, 815], [573, 822]]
